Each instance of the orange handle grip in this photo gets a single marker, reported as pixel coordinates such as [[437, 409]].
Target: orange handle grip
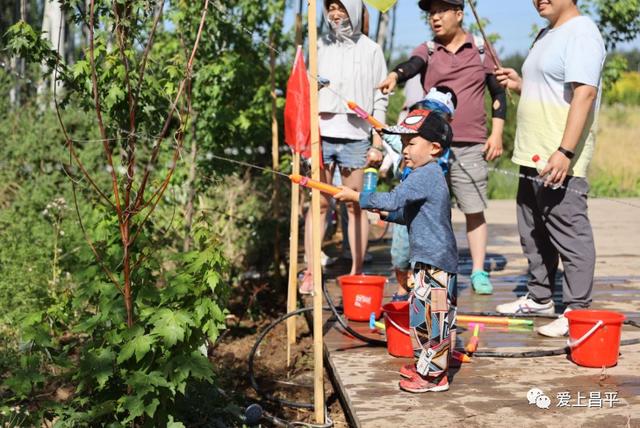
[[375, 122], [463, 358], [472, 346], [366, 116], [313, 184]]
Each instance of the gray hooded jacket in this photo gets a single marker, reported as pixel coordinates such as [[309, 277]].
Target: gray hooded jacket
[[355, 66]]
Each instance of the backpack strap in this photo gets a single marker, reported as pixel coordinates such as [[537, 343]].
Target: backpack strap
[[431, 47], [538, 37], [479, 42]]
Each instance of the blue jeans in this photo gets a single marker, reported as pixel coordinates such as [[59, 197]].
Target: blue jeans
[[344, 152], [400, 253]]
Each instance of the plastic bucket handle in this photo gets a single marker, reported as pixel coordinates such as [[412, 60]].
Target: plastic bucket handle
[[402, 329], [575, 343]]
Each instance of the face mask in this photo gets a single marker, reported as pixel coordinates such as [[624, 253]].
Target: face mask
[[342, 28]]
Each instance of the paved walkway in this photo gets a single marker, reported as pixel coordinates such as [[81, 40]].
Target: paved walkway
[[490, 391]]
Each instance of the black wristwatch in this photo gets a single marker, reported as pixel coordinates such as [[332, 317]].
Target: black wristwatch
[[568, 153]]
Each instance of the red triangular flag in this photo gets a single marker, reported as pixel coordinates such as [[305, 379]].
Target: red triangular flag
[[297, 132]]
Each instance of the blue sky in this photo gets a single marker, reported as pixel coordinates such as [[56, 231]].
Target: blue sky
[[512, 19]]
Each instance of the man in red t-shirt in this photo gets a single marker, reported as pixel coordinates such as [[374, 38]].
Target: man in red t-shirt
[[457, 59]]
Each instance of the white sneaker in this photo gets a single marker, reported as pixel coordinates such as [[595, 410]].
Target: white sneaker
[[525, 305], [557, 328], [326, 260]]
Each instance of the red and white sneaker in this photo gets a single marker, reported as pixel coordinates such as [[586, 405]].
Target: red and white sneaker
[[408, 371], [455, 361], [419, 384], [307, 283]]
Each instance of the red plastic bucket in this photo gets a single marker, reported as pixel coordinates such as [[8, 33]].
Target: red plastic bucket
[[361, 295], [396, 322], [594, 337]]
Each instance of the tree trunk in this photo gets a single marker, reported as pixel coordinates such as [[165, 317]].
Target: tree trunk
[[17, 65], [389, 52], [53, 29], [70, 48], [191, 191], [383, 26]]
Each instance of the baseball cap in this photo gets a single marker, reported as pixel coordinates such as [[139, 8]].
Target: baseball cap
[[426, 4], [427, 124]]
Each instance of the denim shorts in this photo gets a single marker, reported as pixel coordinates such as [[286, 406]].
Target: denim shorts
[[400, 252], [344, 152]]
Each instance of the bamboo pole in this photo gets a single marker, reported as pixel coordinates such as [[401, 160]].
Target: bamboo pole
[[293, 258], [492, 53], [275, 159], [298, 25], [318, 384], [487, 43], [292, 292]]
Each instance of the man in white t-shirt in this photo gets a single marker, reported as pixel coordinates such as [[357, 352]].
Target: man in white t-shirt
[[560, 88]]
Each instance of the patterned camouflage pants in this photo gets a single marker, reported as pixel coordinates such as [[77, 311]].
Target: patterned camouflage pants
[[432, 317]]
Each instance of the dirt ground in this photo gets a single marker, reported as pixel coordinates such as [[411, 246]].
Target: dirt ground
[[294, 383]]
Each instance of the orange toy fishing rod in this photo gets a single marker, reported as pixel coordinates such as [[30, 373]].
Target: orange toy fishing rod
[[313, 184], [366, 116]]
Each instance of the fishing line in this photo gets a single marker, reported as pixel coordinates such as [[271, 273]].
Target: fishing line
[[323, 83], [250, 165], [327, 84], [492, 169]]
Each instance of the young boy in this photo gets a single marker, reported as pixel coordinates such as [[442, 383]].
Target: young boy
[[422, 203], [441, 100]]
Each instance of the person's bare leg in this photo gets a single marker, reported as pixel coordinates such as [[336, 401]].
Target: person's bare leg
[[326, 176], [358, 221], [477, 231], [402, 276]]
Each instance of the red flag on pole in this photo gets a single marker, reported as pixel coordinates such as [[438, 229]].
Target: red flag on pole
[[297, 133]]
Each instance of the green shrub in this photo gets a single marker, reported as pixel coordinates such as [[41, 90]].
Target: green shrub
[[626, 90]]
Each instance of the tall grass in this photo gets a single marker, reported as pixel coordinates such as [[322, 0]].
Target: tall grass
[[615, 168]]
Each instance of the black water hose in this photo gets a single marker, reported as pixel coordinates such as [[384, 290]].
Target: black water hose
[[540, 353], [481, 354], [345, 326], [254, 349], [252, 354], [544, 352], [378, 342]]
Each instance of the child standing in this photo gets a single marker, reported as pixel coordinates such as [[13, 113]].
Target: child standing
[[441, 100], [422, 203]]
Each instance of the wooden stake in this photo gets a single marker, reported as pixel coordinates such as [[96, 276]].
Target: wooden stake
[[293, 258], [275, 160], [318, 395], [275, 157]]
